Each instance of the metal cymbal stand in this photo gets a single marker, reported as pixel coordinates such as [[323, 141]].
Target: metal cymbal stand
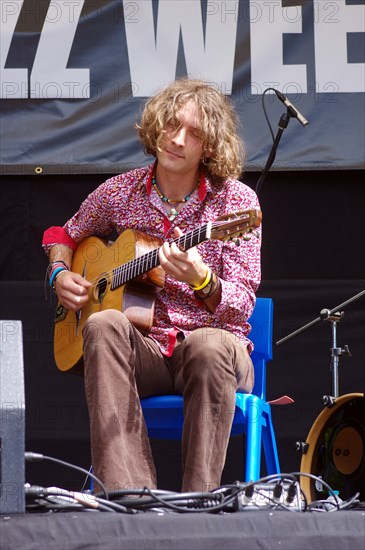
[[333, 316]]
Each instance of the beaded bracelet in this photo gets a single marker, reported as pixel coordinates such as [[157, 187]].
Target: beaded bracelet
[[205, 283]]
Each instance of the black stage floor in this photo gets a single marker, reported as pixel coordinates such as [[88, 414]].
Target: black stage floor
[[250, 529]]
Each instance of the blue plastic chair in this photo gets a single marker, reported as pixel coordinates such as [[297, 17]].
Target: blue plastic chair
[[164, 413]]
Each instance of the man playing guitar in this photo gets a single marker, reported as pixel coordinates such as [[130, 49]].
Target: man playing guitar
[[197, 341]]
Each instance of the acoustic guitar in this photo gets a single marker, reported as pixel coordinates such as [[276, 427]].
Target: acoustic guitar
[[126, 276]]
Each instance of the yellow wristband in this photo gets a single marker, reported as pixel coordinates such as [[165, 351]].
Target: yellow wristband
[[206, 281]]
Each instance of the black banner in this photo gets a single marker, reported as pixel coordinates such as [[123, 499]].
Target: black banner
[[75, 75]]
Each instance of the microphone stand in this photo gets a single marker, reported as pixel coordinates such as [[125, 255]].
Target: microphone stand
[[334, 316], [283, 123]]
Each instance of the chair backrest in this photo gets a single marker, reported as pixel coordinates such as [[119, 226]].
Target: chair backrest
[[261, 335]]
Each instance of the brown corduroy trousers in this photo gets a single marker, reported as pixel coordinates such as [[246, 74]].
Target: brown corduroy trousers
[[122, 366]]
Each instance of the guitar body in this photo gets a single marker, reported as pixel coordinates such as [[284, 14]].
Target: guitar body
[[95, 259]]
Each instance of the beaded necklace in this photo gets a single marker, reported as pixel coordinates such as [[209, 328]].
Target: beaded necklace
[[173, 213]]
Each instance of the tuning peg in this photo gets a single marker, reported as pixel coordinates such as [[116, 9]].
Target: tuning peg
[[237, 242]]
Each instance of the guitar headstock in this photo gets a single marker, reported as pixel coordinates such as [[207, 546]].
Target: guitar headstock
[[235, 225]]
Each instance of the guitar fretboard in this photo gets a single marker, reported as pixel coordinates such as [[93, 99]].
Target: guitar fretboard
[[137, 267]]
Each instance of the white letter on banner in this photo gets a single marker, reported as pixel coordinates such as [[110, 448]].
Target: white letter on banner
[[14, 82], [153, 59], [267, 68], [333, 21], [50, 79]]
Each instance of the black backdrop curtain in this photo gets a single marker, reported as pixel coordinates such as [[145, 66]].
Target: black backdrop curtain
[[312, 258], [313, 222]]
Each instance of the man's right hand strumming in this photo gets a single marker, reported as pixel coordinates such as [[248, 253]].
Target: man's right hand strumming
[[72, 290]]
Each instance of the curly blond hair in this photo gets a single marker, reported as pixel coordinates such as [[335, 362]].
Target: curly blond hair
[[224, 150]]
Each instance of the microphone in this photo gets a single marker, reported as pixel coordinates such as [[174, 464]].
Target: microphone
[[293, 110]]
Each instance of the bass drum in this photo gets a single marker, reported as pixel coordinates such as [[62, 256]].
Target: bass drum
[[335, 452]]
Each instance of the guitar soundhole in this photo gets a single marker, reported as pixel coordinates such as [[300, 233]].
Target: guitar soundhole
[[101, 289]]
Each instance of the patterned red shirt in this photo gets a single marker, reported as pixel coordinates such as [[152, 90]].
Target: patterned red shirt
[[129, 201]]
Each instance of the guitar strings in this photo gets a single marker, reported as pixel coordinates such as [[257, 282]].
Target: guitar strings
[[145, 263], [148, 261]]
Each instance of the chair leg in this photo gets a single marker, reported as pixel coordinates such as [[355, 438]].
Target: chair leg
[[253, 439], [270, 448]]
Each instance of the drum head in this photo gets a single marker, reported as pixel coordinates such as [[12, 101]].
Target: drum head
[[336, 450]]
